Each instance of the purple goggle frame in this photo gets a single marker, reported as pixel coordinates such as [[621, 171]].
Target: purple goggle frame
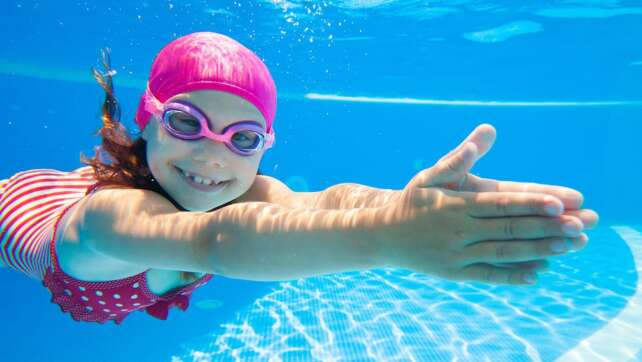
[[266, 139]]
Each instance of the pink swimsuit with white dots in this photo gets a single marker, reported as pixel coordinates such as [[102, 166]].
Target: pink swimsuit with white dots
[[32, 202]]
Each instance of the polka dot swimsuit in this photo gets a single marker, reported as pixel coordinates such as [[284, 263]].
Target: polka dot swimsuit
[[114, 299]]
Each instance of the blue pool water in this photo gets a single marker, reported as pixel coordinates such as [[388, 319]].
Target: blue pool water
[[370, 92]]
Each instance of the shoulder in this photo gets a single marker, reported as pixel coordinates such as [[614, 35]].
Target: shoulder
[[272, 190], [263, 189], [113, 206]]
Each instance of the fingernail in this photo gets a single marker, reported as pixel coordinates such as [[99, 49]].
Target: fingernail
[[559, 246], [570, 228], [552, 209]]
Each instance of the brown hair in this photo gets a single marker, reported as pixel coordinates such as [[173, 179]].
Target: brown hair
[[119, 160]]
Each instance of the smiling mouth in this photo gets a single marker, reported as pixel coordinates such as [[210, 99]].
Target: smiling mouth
[[200, 183]]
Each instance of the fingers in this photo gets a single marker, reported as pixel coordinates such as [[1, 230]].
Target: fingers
[[498, 204], [589, 217], [487, 273], [525, 227], [542, 265], [580, 242], [571, 199], [519, 250]]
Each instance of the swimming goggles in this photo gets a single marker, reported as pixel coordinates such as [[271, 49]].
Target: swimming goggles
[[186, 122]]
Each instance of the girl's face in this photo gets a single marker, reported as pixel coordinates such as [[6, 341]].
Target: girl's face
[[204, 157]]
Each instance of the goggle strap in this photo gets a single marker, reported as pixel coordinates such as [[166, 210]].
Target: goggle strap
[[151, 103]]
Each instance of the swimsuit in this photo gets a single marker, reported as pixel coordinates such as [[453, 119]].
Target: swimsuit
[[32, 203]]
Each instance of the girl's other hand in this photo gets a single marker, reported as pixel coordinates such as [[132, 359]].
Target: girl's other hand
[[452, 172], [487, 234], [461, 235]]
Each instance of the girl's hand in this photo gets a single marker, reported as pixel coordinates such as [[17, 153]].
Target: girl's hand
[[452, 172], [460, 235]]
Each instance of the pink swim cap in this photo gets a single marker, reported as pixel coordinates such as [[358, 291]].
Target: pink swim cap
[[210, 61]]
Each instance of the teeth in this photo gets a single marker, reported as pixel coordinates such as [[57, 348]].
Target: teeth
[[203, 181], [200, 180]]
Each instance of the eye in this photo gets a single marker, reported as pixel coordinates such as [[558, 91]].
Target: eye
[[246, 139], [182, 122]]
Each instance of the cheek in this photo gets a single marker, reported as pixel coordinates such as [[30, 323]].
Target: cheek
[[249, 166], [157, 171], [249, 172], [159, 163], [152, 159], [164, 150]]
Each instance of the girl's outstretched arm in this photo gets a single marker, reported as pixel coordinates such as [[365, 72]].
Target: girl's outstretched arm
[[251, 240]]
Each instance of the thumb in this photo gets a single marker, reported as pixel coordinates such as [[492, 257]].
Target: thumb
[[453, 168], [483, 136]]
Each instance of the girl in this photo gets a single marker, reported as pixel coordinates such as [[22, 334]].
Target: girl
[[148, 221]]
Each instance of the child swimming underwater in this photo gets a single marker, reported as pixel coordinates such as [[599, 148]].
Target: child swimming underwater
[[149, 220]]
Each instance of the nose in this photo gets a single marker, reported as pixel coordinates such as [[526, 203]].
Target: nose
[[211, 151]]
